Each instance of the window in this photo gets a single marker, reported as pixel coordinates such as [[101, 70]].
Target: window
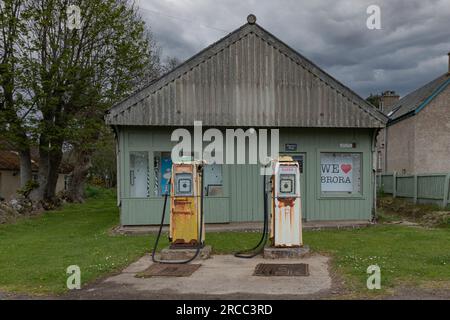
[[139, 174], [67, 180], [380, 161], [162, 166], [340, 173], [213, 180]]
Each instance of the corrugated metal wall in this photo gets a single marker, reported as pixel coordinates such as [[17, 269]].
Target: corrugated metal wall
[[249, 82], [242, 199]]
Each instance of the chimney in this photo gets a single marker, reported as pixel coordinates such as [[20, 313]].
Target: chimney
[[448, 62], [388, 99]]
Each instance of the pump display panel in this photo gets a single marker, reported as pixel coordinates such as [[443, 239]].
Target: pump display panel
[[183, 184], [287, 184]]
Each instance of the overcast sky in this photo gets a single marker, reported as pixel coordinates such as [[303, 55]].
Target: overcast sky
[[410, 49]]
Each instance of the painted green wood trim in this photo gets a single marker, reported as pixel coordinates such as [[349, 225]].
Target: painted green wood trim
[[446, 190], [415, 189], [432, 96], [394, 185]]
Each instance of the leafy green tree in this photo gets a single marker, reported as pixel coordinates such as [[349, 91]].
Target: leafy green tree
[[14, 107], [374, 99], [75, 74]]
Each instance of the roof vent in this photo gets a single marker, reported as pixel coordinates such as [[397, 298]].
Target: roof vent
[[251, 19]]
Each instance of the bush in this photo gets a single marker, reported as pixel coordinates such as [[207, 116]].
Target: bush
[[98, 192], [92, 191]]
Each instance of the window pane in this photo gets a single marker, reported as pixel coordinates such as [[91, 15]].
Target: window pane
[[139, 175], [340, 172], [162, 167], [213, 181]]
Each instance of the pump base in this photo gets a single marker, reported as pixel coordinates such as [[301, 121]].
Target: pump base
[[285, 253], [185, 253]]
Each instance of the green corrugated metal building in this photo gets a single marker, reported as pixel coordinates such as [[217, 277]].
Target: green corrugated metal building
[[249, 79]]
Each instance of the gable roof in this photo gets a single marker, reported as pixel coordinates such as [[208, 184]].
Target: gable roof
[[248, 78], [415, 101], [10, 159]]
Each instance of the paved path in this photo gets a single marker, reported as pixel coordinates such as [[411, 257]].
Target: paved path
[[220, 277]]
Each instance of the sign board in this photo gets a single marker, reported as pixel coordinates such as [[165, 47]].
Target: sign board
[[346, 145], [290, 147], [336, 172]]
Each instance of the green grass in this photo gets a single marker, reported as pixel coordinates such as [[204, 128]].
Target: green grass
[[404, 254], [35, 252]]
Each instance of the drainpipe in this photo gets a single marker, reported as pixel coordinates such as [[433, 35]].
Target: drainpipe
[[116, 138], [385, 148], [374, 155]]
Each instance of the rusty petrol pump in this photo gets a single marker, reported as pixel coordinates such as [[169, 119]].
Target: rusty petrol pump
[[285, 230], [286, 216], [186, 229], [186, 201]]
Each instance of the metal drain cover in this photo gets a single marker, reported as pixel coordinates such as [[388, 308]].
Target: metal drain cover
[[285, 269], [168, 270]]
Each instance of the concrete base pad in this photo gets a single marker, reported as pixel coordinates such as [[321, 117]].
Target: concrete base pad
[[185, 254], [286, 253], [226, 274]]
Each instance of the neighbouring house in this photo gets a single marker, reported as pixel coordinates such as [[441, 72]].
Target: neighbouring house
[[249, 79], [10, 173], [417, 136]]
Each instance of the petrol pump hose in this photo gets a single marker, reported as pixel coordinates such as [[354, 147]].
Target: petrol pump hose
[[250, 253], [199, 241]]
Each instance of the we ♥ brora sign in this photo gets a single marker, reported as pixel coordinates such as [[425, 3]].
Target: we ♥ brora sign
[[336, 173]]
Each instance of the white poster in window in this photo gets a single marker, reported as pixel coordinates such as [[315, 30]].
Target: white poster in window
[[336, 172]]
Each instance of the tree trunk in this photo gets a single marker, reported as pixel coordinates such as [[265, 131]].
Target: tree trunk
[[38, 194], [82, 165], [53, 172], [25, 166], [49, 162]]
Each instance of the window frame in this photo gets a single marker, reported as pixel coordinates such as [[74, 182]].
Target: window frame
[[205, 191], [128, 174], [340, 194]]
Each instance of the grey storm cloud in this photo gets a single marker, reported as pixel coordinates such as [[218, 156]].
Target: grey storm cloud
[[410, 49]]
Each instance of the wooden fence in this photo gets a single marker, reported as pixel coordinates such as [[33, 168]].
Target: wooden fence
[[419, 188]]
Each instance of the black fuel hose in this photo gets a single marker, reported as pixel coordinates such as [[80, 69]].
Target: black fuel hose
[[253, 252], [199, 241]]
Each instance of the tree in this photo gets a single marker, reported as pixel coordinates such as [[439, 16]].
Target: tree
[[74, 75], [170, 64], [374, 99], [13, 106], [104, 165]]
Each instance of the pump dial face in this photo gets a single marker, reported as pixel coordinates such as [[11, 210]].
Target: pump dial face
[[183, 184], [287, 184]]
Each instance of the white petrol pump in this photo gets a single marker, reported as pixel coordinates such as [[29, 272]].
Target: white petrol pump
[[286, 208], [285, 213]]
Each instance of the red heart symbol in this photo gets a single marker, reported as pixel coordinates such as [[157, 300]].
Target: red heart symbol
[[346, 168]]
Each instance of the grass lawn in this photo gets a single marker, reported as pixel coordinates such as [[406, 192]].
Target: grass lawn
[[35, 253]]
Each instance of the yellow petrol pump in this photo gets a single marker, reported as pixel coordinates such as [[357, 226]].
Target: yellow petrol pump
[[186, 221], [186, 228], [286, 215]]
